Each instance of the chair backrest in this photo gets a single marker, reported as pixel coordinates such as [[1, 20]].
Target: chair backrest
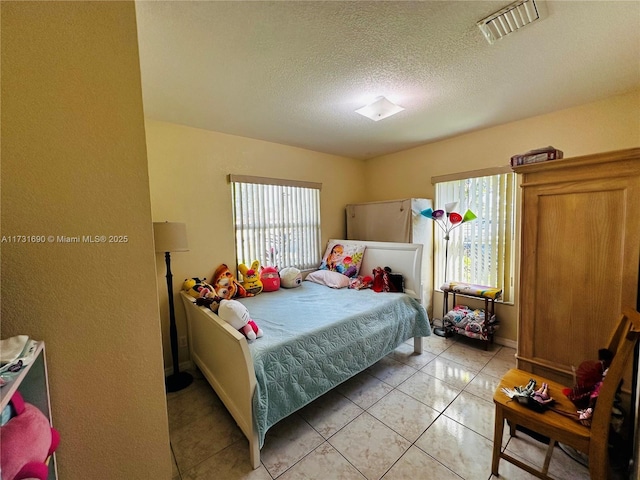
[[622, 342]]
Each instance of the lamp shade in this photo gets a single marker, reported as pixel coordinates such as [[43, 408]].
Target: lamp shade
[[469, 216], [455, 218], [170, 237], [450, 207]]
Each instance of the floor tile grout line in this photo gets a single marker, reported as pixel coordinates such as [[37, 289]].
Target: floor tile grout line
[[436, 460], [411, 443]]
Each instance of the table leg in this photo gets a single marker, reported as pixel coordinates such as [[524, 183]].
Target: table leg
[[497, 440]]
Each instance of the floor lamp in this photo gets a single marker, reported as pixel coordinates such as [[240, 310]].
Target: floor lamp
[[447, 220], [172, 237]]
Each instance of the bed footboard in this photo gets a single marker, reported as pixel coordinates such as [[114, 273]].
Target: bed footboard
[[222, 354]]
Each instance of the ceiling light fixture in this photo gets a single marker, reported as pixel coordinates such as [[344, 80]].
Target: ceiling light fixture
[[379, 109], [509, 19]]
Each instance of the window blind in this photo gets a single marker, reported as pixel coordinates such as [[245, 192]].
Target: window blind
[[480, 251], [277, 222]]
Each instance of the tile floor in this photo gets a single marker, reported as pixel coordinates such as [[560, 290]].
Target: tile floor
[[409, 416]]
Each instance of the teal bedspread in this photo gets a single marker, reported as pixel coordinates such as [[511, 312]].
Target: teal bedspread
[[316, 337]]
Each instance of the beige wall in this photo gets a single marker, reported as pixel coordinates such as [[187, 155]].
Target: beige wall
[[610, 124], [74, 163], [188, 170]]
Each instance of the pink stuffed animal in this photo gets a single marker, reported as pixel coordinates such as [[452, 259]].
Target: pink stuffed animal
[[27, 441], [270, 279], [236, 314]]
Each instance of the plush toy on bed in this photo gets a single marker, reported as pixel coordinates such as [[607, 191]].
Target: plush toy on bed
[[270, 279], [290, 277], [210, 300], [237, 315], [225, 284], [196, 287], [251, 277], [27, 441]]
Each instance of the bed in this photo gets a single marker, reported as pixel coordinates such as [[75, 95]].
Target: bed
[[308, 348]]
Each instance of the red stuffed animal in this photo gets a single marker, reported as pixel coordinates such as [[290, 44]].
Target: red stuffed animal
[[27, 441], [270, 279]]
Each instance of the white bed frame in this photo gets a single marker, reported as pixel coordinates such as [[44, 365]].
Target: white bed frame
[[222, 353]]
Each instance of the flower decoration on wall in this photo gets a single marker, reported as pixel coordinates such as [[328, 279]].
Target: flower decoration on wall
[[447, 220]]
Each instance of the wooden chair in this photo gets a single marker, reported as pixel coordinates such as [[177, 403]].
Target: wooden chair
[[561, 428]]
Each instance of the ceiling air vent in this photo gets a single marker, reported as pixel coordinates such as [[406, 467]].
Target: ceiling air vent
[[509, 19]]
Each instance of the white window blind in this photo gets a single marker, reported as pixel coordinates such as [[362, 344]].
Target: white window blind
[[276, 222], [480, 251]]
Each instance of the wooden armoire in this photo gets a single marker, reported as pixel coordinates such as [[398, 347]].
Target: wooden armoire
[[579, 259]]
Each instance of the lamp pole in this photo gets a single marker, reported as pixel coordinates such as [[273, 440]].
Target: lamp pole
[[178, 380], [446, 255], [447, 220], [172, 237]]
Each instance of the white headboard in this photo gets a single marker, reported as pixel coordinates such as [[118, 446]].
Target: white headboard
[[404, 258]]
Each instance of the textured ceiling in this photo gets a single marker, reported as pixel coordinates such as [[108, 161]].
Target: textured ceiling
[[294, 72]]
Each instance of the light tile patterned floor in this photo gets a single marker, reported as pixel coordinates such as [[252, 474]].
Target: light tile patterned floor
[[408, 416]]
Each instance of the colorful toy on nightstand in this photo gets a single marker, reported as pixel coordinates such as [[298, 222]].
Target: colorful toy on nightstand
[[27, 441], [251, 277], [270, 279]]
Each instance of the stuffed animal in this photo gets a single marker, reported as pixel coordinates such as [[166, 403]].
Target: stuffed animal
[[202, 292], [251, 277], [194, 287], [225, 284], [361, 282], [27, 441], [385, 281], [270, 279], [588, 378], [237, 315], [209, 300], [290, 277]]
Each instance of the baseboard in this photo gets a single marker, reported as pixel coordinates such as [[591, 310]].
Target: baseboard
[[506, 342], [183, 366]]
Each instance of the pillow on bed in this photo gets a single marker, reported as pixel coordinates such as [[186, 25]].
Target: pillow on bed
[[343, 258], [329, 278]]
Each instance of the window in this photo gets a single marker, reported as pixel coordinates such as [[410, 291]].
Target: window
[[276, 221], [480, 251]]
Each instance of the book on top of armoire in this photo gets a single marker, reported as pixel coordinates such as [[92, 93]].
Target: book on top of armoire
[[396, 221]]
